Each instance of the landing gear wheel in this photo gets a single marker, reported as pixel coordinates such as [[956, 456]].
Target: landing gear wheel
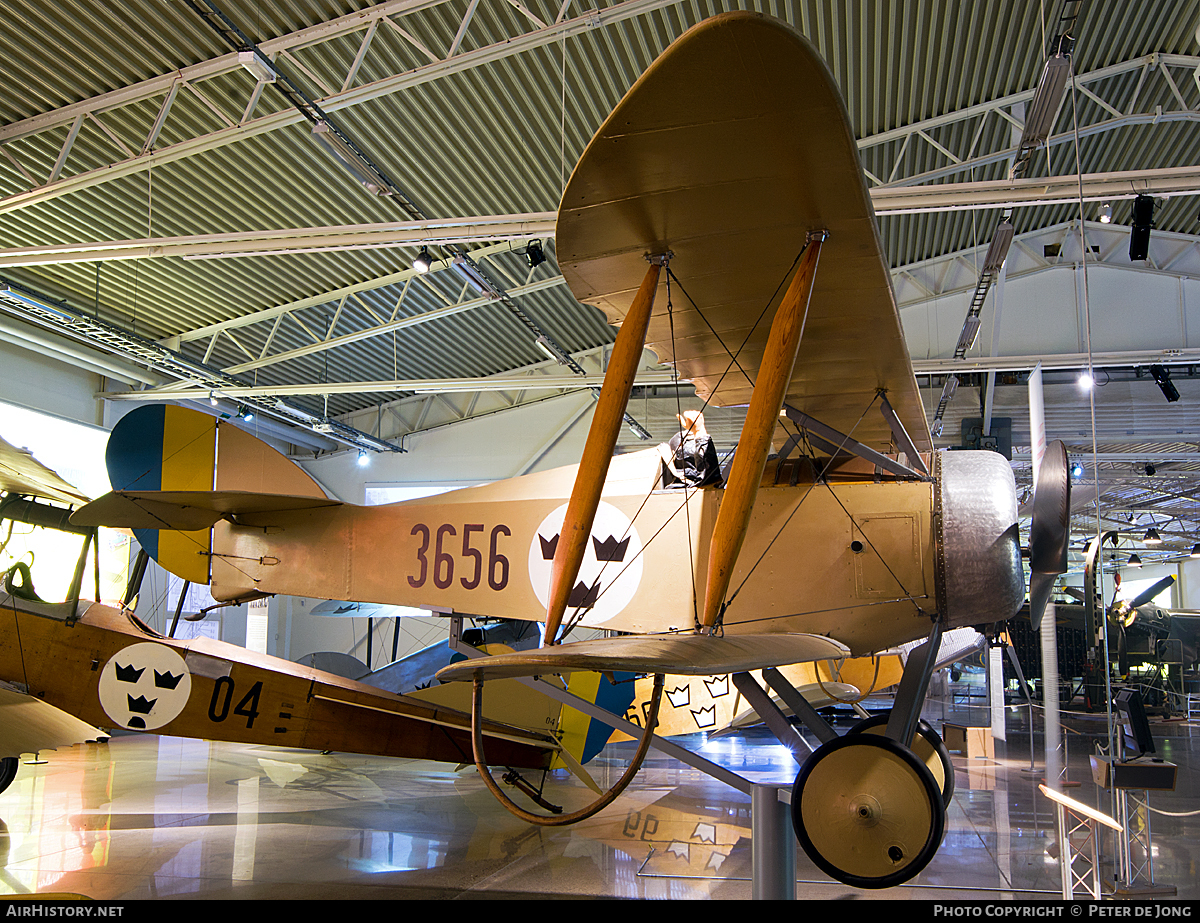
[[927, 746], [8, 771], [867, 811]]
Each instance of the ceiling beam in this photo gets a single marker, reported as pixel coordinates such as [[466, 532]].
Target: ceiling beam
[[452, 64], [1051, 190], [415, 385], [888, 200], [1123, 359], [431, 232]]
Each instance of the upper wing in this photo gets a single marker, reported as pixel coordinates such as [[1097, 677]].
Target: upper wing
[[731, 147], [21, 473]]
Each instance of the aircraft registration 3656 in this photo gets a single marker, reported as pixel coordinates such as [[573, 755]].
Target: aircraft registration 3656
[[719, 216]]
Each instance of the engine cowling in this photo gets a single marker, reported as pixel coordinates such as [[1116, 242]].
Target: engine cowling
[[979, 574]]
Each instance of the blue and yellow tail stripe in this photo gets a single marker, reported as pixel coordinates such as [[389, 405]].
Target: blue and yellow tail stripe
[[582, 736], [162, 447]]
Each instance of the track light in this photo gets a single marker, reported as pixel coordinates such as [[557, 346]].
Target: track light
[[534, 254], [212, 399], [1162, 378], [1139, 232], [1152, 537], [1135, 560], [247, 414], [423, 261], [1076, 470], [1106, 213], [363, 458], [1085, 381]]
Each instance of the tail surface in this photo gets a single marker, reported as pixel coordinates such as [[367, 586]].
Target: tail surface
[[167, 448]]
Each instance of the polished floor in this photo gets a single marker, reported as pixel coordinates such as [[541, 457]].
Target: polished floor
[[150, 817]]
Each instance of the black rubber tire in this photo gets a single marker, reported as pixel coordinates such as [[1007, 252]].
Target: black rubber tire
[[930, 736], [867, 811], [8, 771]]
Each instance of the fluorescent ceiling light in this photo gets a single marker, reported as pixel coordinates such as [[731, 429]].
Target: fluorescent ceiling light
[[1040, 118], [469, 271], [337, 145], [258, 66], [970, 331], [998, 251], [553, 352]]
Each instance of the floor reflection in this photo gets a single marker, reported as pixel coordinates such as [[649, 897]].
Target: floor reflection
[[150, 817]]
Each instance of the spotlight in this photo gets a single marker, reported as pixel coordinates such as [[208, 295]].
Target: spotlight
[[1150, 470], [212, 399], [1106, 213], [1162, 378], [1085, 381], [1135, 560], [363, 458], [534, 254], [423, 261], [1152, 537], [1077, 470], [247, 414], [1139, 232]]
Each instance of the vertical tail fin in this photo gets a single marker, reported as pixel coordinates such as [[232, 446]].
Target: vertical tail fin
[[163, 447]]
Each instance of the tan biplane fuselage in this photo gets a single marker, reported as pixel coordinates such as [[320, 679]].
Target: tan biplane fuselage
[[856, 558]]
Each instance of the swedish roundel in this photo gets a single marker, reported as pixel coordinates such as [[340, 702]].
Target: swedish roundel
[[611, 568], [144, 686]]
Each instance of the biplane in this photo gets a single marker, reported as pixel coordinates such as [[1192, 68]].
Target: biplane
[[719, 217]]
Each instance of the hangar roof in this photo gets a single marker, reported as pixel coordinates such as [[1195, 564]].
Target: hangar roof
[[131, 129]]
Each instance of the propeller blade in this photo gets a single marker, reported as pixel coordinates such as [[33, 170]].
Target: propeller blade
[[1148, 594], [1075, 593], [1040, 588], [1050, 530]]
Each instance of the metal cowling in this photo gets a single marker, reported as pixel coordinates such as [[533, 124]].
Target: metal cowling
[[980, 578]]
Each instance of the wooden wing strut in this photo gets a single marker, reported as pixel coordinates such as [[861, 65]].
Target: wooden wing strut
[[597, 452], [774, 375]]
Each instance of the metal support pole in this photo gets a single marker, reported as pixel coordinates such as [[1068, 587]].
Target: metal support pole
[[773, 846], [179, 607]]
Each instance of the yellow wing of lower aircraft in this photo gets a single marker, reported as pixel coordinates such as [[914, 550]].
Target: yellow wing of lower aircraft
[[720, 216]]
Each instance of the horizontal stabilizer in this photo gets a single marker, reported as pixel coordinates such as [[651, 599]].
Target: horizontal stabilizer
[[688, 655], [184, 510]]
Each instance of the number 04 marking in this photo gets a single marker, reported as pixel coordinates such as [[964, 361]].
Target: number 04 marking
[[218, 708]]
